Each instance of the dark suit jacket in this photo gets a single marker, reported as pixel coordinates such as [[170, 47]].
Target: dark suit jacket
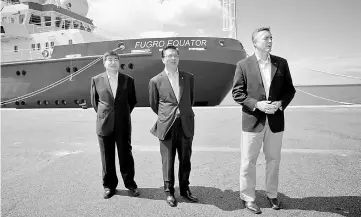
[[112, 113], [248, 89], [164, 103]]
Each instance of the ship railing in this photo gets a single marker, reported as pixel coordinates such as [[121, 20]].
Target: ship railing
[[22, 54], [56, 25], [9, 2]]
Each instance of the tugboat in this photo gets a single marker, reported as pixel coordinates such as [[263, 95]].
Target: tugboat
[[50, 52]]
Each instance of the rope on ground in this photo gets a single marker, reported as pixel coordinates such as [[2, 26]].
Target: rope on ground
[[345, 103], [319, 97], [330, 73]]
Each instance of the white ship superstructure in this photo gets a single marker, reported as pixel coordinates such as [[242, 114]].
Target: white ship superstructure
[[31, 29]]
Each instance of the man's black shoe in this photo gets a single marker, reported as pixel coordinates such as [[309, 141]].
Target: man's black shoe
[[188, 195], [134, 192], [108, 193], [171, 200]]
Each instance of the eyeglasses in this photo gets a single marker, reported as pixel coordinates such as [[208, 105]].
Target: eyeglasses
[[172, 56], [112, 60]]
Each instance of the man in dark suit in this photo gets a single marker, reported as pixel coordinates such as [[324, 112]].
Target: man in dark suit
[[263, 86], [171, 96], [113, 98]]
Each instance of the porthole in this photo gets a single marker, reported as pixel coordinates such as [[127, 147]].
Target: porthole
[[46, 102], [130, 65], [67, 69], [17, 73], [122, 66], [23, 72], [64, 102], [75, 69], [83, 101], [221, 42], [76, 101], [57, 102], [23, 103], [17, 103], [39, 102]]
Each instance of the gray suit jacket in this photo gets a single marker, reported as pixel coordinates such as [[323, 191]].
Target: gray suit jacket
[[164, 103]]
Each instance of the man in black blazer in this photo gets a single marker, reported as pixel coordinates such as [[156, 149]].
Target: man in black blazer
[[171, 96], [263, 86], [113, 98]]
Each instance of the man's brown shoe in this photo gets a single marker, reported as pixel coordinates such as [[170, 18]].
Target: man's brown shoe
[[275, 203], [252, 207]]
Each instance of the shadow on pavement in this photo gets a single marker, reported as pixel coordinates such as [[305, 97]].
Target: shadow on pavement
[[228, 200], [342, 205]]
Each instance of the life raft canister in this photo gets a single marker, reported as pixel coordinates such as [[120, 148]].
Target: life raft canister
[[45, 53]]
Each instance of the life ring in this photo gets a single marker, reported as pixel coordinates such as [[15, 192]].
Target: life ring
[[45, 53]]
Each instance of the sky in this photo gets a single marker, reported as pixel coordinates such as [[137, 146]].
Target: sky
[[310, 33]]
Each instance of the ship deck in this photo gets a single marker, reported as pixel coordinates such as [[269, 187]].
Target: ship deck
[[51, 165]]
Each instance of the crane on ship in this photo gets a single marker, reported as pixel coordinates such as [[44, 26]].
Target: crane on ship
[[229, 17]]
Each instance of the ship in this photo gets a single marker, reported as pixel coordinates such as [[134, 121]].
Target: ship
[[50, 52]]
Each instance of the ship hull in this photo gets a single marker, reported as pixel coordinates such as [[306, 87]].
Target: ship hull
[[62, 82]]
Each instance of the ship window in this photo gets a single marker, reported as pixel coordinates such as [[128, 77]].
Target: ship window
[[21, 18], [57, 21], [47, 45], [47, 20], [67, 24], [2, 29], [15, 48], [39, 46], [12, 20], [82, 26], [70, 41], [34, 19], [4, 19], [76, 24], [33, 46], [52, 44]]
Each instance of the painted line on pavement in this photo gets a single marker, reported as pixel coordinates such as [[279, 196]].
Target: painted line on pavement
[[195, 108], [228, 149]]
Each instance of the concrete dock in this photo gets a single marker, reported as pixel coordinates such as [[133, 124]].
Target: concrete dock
[[50, 165]]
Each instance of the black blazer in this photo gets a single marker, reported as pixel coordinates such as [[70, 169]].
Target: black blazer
[[248, 89], [164, 103], [112, 113]]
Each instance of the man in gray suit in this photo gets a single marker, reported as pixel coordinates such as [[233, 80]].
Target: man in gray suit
[[263, 86], [171, 96], [113, 98]]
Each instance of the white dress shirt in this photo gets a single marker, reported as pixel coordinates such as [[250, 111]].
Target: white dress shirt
[[113, 81], [265, 68], [174, 82]]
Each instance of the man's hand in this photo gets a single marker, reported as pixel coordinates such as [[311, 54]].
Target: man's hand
[[266, 107], [278, 104]]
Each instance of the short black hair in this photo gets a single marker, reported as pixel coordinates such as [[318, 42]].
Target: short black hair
[[169, 47], [107, 54]]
